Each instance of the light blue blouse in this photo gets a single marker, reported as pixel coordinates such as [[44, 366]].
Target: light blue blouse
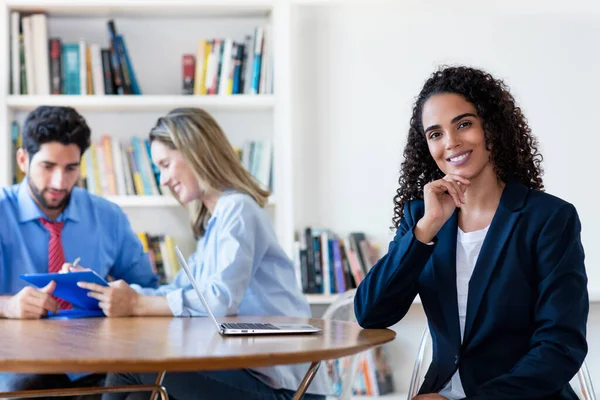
[[242, 270]]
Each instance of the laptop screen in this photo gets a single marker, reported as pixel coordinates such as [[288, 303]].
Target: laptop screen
[[188, 272]]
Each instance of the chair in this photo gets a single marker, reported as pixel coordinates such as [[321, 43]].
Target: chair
[[342, 309], [582, 383]]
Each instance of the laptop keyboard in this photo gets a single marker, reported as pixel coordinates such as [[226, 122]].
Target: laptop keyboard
[[246, 325]]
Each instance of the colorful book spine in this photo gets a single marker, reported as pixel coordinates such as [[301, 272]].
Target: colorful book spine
[[109, 165], [137, 152], [155, 170], [70, 68], [238, 84], [55, 66], [96, 169], [135, 87], [258, 51], [15, 52], [115, 62], [138, 183], [127, 172], [17, 140], [90, 181], [109, 84], [188, 66], [201, 66], [340, 281]]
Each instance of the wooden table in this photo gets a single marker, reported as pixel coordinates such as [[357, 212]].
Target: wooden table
[[167, 344]]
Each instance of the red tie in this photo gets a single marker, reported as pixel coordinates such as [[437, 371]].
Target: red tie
[[56, 256]]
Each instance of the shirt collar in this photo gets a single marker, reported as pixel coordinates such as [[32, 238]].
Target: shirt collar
[[71, 212], [213, 216], [29, 210]]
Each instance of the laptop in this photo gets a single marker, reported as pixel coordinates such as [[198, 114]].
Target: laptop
[[243, 328]]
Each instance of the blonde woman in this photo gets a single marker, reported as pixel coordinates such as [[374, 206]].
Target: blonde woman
[[238, 263]]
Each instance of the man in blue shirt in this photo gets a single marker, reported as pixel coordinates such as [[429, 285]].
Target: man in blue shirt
[[47, 220]]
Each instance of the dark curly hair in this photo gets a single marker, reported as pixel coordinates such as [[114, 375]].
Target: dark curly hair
[[55, 124], [514, 150]]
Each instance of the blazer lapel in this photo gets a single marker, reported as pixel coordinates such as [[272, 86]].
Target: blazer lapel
[[505, 218], [444, 267]]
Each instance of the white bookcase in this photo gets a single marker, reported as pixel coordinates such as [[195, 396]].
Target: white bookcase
[[158, 33]]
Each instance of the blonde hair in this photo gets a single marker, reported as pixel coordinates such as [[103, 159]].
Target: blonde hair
[[203, 144]]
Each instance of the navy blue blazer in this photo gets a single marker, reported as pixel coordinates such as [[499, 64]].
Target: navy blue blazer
[[527, 305]]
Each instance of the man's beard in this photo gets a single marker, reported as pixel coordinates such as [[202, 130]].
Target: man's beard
[[39, 196]]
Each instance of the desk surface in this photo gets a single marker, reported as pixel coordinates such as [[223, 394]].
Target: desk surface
[[174, 344]]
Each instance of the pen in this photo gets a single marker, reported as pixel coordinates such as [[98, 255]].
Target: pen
[[75, 262]]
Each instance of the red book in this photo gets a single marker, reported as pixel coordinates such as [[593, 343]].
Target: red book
[[55, 71], [189, 66]]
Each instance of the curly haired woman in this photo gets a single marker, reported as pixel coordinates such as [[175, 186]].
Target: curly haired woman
[[498, 263]]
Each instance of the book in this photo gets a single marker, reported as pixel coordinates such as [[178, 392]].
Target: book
[[70, 59], [55, 67], [188, 66]]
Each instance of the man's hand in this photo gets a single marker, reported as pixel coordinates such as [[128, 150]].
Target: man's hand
[[116, 300], [430, 396], [68, 267], [31, 303]]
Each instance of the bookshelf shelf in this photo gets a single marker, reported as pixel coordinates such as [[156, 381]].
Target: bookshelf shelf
[[143, 201], [326, 299], [148, 8], [152, 201], [390, 396], [143, 102], [321, 299]]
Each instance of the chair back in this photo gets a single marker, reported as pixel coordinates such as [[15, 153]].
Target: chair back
[[342, 309], [581, 383], [421, 364]]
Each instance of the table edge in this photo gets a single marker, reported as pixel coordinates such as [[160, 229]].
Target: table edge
[[187, 364]]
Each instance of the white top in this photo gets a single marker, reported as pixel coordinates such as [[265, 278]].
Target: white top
[[468, 246]]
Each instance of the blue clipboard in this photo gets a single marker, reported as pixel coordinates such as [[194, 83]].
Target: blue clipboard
[[67, 289]]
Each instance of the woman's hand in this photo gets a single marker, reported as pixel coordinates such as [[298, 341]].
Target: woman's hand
[[441, 198], [117, 300], [430, 396]]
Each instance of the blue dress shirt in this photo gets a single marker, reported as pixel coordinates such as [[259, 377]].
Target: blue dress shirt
[[242, 270], [95, 230]]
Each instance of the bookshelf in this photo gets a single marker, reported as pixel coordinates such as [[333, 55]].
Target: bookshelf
[[144, 102], [327, 299], [152, 201], [157, 34], [143, 201], [149, 8], [321, 299]]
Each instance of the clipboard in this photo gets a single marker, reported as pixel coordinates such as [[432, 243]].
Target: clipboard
[[67, 289]]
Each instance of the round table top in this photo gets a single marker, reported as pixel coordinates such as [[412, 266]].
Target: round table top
[[177, 344]]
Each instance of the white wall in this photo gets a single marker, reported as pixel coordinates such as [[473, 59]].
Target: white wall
[[359, 67]]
